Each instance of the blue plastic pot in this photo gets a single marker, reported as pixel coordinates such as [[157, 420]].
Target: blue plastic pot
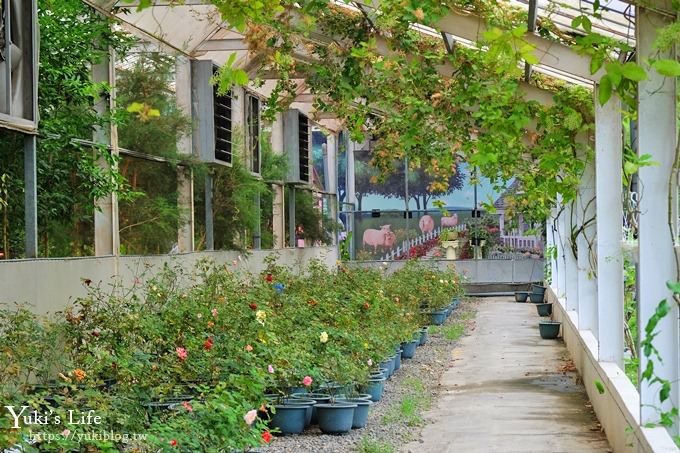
[[289, 418], [362, 396], [375, 388], [308, 403], [423, 336], [397, 361], [437, 317], [385, 365], [360, 418], [299, 389], [335, 418], [409, 349], [390, 367], [455, 302], [318, 397]]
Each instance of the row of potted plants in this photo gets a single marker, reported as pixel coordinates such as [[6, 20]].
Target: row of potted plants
[[187, 361], [548, 328], [338, 408]]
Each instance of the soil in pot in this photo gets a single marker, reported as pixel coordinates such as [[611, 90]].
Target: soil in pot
[[544, 309], [360, 418], [335, 418], [549, 330], [521, 296]]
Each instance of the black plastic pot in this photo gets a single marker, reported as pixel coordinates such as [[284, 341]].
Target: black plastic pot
[[549, 330], [521, 296], [544, 309], [538, 289], [536, 298]]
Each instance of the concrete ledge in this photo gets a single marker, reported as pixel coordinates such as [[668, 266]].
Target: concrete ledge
[[49, 284], [618, 407], [476, 271]]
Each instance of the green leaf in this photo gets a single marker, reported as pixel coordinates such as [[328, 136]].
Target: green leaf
[[668, 68], [604, 92], [596, 62], [135, 107], [576, 22], [587, 24], [629, 168], [633, 71], [674, 286], [600, 387], [530, 58], [493, 34], [240, 77]]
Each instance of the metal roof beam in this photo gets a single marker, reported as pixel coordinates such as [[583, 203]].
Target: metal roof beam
[[221, 45], [549, 53], [531, 27]]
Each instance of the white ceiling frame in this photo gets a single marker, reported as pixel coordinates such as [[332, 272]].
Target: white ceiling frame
[[550, 53], [221, 45]]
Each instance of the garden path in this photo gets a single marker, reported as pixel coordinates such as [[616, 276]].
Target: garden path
[[508, 390]]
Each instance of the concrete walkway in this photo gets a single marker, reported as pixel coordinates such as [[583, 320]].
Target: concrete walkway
[[506, 391]]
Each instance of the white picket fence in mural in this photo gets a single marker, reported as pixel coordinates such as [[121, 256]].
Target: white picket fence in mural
[[407, 244], [522, 242], [515, 241]]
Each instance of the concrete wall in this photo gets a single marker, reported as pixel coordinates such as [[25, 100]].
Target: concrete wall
[[618, 407], [481, 271], [49, 284]]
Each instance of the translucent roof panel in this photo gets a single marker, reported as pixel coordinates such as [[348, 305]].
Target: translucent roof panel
[[616, 17]]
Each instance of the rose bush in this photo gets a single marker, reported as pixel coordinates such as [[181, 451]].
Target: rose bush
[[187, 358]]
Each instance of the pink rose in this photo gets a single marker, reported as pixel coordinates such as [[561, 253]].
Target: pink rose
[[370, 362], [249, 348], [66, 432], [214, 312], [181, 353], [307, 381], [187, 405], [270, 369], [250, 416]]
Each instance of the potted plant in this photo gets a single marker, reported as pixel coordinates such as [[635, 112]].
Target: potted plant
[[451, 243]]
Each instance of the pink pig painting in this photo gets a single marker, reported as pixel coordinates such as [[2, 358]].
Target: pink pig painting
[[450, 221], [383, 237], [426, 223]]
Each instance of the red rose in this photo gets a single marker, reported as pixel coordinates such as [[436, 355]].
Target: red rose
[[173, 443], [366, 305], [208, 344], [267, 437], [253, 306], [269, 278]]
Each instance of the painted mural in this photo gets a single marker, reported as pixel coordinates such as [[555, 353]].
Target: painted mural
[[384, 230]]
